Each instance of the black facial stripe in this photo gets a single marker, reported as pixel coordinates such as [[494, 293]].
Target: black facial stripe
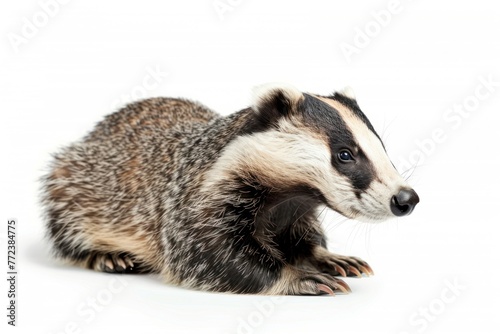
[[363, 172], [354, 107], [328, 120]]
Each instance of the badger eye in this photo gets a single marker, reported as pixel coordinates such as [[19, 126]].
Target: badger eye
[[345, 156]]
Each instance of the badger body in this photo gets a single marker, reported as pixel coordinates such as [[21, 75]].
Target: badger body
[[226, 204]]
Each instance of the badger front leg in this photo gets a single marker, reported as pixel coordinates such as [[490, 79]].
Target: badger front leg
[[316, 274], [338, 265]]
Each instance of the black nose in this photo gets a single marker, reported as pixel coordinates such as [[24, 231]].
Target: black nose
[[404, 202]]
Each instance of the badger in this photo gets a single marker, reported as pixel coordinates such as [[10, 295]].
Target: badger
[[223, 204]]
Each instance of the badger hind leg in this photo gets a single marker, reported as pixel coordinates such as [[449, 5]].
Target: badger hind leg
[[111, 262], [296, 281]]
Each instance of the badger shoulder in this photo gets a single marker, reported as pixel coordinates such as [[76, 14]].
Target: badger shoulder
[[153, 114]]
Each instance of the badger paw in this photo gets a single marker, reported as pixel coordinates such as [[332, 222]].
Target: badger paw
[[296, 281], [340, 265], [111, 263], [321, 284]]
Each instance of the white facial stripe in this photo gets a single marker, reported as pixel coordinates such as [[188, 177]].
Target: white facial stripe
[[371, 146]]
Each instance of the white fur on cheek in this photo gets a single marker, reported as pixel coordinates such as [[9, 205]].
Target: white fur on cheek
[[281, 158]]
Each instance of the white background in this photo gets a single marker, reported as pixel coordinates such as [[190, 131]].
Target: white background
[[428, 57]]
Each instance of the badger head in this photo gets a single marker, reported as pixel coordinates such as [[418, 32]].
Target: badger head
[[323, 143]]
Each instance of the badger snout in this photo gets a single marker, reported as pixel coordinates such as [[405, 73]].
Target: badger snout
[[404, 202]]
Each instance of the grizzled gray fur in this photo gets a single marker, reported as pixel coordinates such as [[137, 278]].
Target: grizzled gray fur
[[225, 204]]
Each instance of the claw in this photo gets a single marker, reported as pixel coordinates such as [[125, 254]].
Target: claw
[[109, 264], [129, 262], [340, 270], [121, 264], [343, 286], [354, 271], [325, 290], [366, 270]]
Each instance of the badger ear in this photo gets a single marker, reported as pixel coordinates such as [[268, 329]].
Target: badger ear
[[275, 98], [348, 92]]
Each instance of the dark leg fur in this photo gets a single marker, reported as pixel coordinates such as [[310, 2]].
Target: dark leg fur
[[312, 269], [309, 268], [315, 274]]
